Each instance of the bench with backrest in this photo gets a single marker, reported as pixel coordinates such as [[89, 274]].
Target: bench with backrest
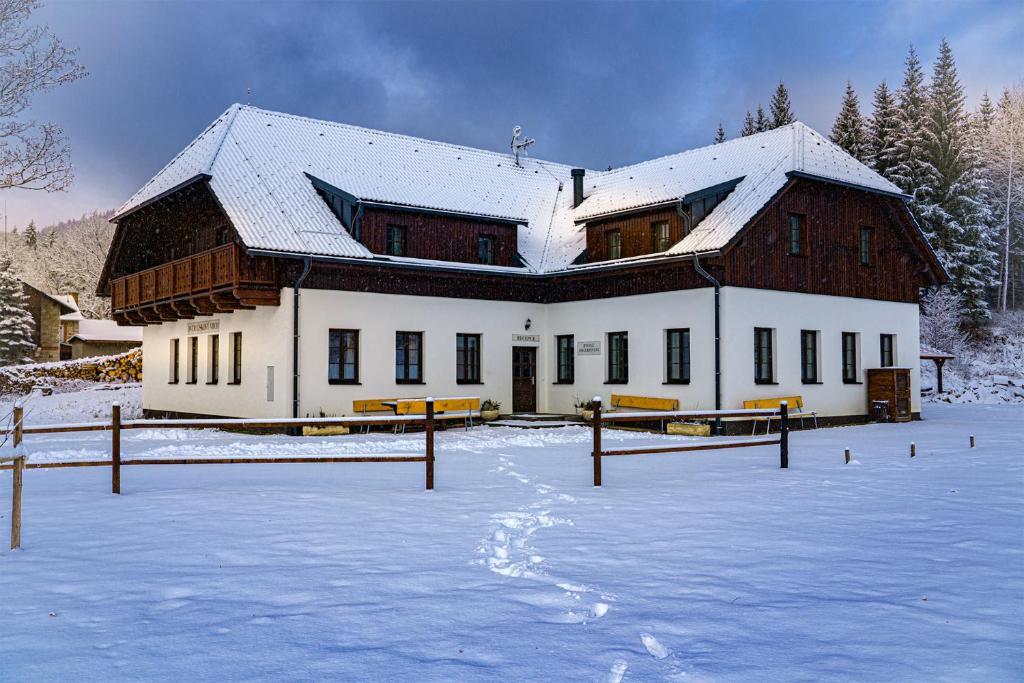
[[620, 401], [460, 408], [794, 404]]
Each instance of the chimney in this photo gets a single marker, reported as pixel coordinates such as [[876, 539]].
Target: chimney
[[577, 186], [74, 296]]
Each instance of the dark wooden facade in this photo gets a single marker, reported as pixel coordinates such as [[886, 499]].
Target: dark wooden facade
[[438, 237], [151, 279]]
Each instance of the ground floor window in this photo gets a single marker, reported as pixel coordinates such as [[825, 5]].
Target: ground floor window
[[764, 362], [677, 360], [809, 356], [175, 361], [618, 357], [467, 358], [343, 357], [193, 360], [409, 357], [564, 344], [887, 347], [236, 357], [213, 371], [850, 357]]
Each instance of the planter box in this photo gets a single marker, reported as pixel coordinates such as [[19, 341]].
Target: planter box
[[338, 430], [686, 429], [588, 415], [488, 415]]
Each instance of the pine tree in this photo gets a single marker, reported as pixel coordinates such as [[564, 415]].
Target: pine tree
[[883, 132], [954, 206], [31, 235], [720, 134], [782, 111], [749, 127], [910, 172], [16, 345], [762, 124], [986, 113], [849, 131]]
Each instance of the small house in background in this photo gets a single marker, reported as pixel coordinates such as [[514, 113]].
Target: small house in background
[[101, 338]]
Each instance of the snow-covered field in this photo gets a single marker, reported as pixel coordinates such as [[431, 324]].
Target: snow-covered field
[[709, 566]]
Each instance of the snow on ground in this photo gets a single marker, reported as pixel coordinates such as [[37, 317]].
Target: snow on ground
[[686, 567]]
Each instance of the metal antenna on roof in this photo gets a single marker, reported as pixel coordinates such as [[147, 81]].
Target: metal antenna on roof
[[518, 145], [248, 96]]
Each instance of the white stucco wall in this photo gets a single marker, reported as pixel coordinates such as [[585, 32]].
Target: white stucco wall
[[267, 341], [788, 313]]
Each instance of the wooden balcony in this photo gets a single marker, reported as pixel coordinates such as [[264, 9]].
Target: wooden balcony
[[219, 280]]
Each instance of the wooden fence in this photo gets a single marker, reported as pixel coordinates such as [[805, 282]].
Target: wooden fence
[[117, 425], [601, 420]]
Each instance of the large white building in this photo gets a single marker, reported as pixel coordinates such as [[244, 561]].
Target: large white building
[[288, 266]]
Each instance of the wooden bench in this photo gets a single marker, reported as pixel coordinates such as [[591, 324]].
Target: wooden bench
[[365, 406], [795, 405], [461, 408], [619, 401]]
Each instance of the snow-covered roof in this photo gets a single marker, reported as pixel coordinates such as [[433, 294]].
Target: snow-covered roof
[[65, 301], [106, 331], [259, 163]]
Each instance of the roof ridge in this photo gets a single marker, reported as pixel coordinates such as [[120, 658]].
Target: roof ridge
[[391, 134]]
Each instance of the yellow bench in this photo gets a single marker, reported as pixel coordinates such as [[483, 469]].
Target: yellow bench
[[462, 408], [644, 402], [794, 404], [371, 405]]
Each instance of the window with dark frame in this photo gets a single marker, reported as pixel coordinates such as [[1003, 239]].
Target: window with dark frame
[[193, 360], [485, 249], [865, 246], [677, 356], [236, 357], [467, 358], [565, 346], [613, 244], [343, 357], [214, 374], [796, 235], [809, 356], [764, 372], [850, 357], [409, 357], [396, 240], [618, 357], [175, 361], [662, 238], [886, 344]]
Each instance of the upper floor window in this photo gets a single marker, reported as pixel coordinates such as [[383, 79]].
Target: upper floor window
[[467, 358], [396, 240], [343, 357], [618, 357], [409, 357], [796, 235], [677, 356], [849, 357], [764, 361], [662, 238], [566, 359], [485, 248], [887, 348], [809, 356], [613, 244], [865, 246]]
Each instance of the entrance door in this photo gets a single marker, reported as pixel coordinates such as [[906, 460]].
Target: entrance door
[[524, 379], [902, 394]]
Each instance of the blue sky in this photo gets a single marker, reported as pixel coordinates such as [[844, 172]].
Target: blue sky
[[596, 84]]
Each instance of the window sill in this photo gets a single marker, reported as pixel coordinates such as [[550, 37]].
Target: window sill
[[767, 382], [810, 381], [566, 383], [676, 381], [192, 382], [617, 381], [350, 382], [409, 381], [468, 381], [211, 383], [235, 383], [173, 381], [851, 381]]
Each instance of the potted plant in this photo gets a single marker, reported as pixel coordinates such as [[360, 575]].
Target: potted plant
[[489, 410], [586, 409]]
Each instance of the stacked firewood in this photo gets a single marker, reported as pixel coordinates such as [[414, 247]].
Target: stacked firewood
[[125, 367]]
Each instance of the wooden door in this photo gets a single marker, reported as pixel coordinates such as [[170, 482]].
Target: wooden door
[[902, 394], [524, 379]]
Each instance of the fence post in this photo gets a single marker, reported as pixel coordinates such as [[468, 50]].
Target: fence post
[[115, 448], [784, 435], [19, 417], [429, 428], [597, 441], [17, 471]]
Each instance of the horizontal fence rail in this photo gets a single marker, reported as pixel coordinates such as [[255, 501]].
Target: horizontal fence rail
[[116, 425], [782, 441]]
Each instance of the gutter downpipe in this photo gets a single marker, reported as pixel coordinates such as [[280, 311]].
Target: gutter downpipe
[[718, 330], [307, 265]]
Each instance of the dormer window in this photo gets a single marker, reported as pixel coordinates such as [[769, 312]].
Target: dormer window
[[662, 237], [396, 240], [485, 249], [613, 244]]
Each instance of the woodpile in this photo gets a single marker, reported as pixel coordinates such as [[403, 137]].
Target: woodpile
[[122, 368]]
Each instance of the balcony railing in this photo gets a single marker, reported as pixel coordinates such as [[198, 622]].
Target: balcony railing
[[222, 269]]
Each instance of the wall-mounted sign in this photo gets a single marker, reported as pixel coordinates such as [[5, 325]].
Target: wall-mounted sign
[[588, 348], [526, 339], [204, 327]]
